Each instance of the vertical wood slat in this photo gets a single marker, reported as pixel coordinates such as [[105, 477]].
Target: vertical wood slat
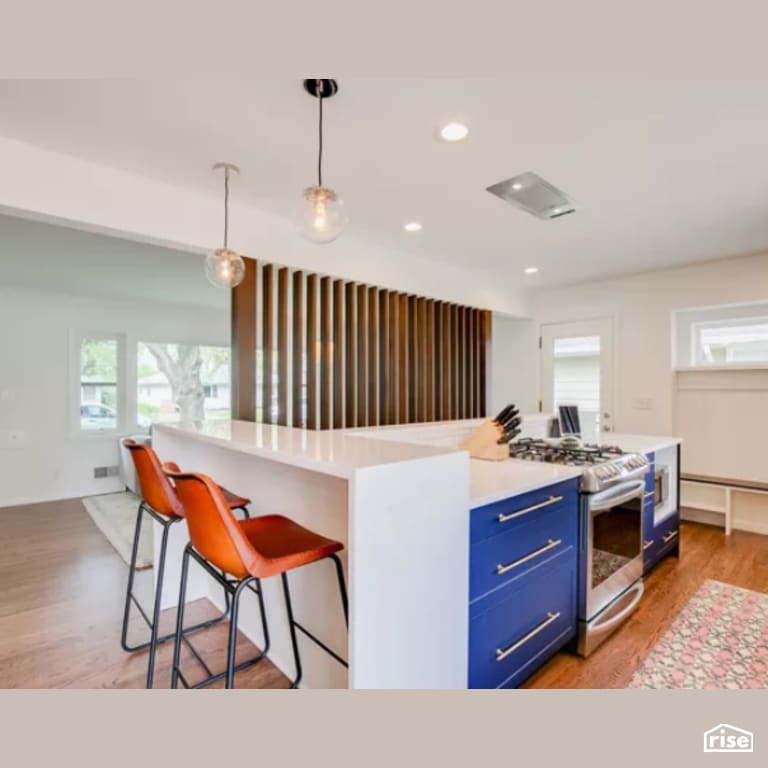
[[268, 329], [447, 366], [298, 349], [471, 362], [402, 343], [338, 354], [429, 360], [244, 343], [385, 369], [463, 378], [413, 360], [394, 358], [485, 359], [478, 346], [421, 345], [373, 356], [350, 347], [438, 350], [313, 357], [282, 346], [325, 353], [362, 356], [455, 360]]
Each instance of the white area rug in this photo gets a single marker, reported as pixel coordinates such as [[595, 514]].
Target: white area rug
[[115, 516]]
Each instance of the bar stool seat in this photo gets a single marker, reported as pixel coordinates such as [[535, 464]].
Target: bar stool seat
[[284, 544]]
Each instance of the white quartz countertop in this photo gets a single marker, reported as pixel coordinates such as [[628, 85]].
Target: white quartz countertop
[[340, 453], [330, 452]]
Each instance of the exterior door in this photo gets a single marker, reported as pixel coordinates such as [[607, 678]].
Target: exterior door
[[577, 369]]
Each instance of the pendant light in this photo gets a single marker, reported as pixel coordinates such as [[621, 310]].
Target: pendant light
[[225, 268], [322, 216]]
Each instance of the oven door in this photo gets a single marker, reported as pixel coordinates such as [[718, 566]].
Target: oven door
[[613, 519]]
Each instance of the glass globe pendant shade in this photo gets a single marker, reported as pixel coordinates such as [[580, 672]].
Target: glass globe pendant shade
[[224, 268], [322, 216]]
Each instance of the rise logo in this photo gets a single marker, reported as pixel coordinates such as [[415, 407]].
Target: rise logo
[[728, 738]]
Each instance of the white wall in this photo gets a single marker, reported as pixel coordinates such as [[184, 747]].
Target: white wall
[[41, 458], [642, 307], [514, 364]]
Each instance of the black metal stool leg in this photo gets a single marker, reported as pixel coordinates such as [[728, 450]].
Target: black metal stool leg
[[292, 628], [131, 572], [180, 620], [342, 587], [246, 513], [158, 599], [232, 644]]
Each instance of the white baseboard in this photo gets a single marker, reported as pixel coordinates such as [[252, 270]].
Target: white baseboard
[[718, 519]]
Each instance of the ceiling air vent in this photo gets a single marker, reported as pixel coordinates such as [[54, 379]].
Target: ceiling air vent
[[535, 195]]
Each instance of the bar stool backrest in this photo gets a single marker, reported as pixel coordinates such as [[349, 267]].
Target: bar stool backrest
[[213, 528], [156, 489]]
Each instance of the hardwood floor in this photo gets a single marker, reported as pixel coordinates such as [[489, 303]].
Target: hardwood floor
[[706, 553], [62, 588]]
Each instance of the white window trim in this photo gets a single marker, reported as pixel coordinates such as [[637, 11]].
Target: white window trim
[[76, 338]]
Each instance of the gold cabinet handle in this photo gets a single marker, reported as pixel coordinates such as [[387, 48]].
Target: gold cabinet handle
[[502, 654], [551, 500], [647, 544], [671, 535], [551, 544]]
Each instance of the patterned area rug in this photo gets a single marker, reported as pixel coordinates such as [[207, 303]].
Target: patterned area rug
[[718, 640], [115, 516]]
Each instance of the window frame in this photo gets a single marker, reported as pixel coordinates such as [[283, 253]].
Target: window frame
[[75, 351]]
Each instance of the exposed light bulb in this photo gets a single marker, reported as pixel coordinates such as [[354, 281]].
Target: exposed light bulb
[[531, 270], [454, 132], [224, 268], [322, 216], [413, 226]]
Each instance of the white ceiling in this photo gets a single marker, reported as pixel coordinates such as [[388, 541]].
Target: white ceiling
[[665, 173]]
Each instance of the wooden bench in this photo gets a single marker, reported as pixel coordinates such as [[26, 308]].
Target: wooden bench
[[727, 485]]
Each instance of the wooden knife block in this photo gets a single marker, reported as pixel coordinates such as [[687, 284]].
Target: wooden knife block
[[482, 443]]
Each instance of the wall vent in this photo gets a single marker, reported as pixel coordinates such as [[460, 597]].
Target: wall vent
[[535, 195], [102, 472]]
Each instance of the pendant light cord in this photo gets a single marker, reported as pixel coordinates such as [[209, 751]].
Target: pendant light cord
[[320, 136], [226, 207]]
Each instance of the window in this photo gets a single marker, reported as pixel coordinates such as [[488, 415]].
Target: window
[[732, 341], [99, 365], [182, 382], [730, 335], [576, 374]]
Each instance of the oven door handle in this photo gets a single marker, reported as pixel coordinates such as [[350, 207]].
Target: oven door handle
[[613, 497]]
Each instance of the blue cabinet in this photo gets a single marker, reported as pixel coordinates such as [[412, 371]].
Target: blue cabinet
[[523, 583], [659, 538]]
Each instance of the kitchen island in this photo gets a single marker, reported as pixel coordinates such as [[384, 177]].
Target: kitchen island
[[399, 498]]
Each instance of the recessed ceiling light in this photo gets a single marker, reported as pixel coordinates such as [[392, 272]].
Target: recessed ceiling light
[[531, 270], [454, 132], [413, 226]]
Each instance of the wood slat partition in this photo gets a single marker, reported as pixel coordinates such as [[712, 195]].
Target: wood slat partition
[[268, 342], [326, 381], [298, 348], [282, 347], [313, 356], [244, 343], [337, 354]]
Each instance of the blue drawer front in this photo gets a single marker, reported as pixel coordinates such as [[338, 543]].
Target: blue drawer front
[[665, 538], [649, 475], [484, 521], [532, 542], [532, 621]]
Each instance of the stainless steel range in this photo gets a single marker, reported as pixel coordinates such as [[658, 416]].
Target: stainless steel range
[[612, 486]]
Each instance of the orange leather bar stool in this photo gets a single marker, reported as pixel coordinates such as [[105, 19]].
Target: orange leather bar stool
[[161, 502], [239, 554]]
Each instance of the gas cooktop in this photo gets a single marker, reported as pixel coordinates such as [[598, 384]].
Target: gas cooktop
[[603, 465]]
